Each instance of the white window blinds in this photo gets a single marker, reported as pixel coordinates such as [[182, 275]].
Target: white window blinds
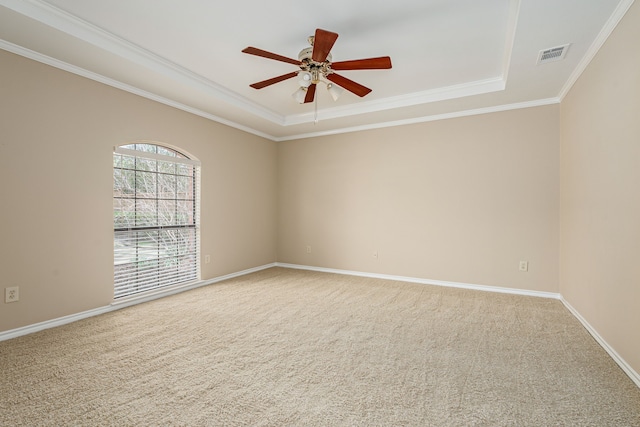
[[156, 218]]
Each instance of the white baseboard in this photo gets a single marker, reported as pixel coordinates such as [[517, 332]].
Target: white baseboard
[[117, 305], [29, 329], [426, 281], [635, 377], [13, 333], [150, 296], [614, 355]]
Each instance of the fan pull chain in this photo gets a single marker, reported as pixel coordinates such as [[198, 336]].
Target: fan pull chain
[[315, 110]]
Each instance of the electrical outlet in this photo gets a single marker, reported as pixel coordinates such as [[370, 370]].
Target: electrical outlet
[[308, 249], [375, 254], [207, 259], [11, 294], [524, 266]]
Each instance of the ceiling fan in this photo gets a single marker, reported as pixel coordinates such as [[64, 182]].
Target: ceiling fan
[[315, 66]]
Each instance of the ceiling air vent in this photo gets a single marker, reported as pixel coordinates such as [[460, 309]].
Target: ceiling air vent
[[552, 54]]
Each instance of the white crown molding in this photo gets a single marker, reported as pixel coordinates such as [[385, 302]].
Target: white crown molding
[[43, 12], [54, 17], [96, 36], [416, 98], [512, 25], [19, 50], [462, 90], [602, 37], [423, 119], [36, 56]]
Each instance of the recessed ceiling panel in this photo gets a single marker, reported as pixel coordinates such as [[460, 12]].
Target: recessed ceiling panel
[[447, 55]]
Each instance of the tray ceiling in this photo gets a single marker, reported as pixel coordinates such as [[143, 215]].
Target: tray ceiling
[[450, 57]]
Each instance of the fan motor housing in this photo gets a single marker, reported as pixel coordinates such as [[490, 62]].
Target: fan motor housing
[[307, 52]]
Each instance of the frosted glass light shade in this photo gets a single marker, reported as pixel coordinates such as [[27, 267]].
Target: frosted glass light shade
[[335, 91], [300, 94]]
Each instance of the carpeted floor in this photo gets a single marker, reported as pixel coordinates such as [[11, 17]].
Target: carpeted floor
[[294, 348]]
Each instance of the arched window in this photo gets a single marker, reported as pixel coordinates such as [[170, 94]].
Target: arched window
[[155, 217]]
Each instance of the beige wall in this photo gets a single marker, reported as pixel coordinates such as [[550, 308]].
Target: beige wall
[[460, 200], [57, 136], [600, 188]]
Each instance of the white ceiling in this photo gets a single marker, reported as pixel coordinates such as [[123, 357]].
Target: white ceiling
[[450, 57]]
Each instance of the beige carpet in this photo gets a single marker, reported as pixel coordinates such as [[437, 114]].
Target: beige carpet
[[291, 348]]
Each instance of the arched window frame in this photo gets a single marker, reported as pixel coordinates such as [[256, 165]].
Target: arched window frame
[[156, 218]]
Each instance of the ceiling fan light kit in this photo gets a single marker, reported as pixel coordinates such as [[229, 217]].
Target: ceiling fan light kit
[[334, 90], [300, 94], [306, 78], [316, 67]]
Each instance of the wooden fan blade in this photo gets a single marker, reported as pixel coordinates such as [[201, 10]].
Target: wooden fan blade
[[322, 43], [349, 85], [381, 63], [269, 82], [259, 52], [311, 92]]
